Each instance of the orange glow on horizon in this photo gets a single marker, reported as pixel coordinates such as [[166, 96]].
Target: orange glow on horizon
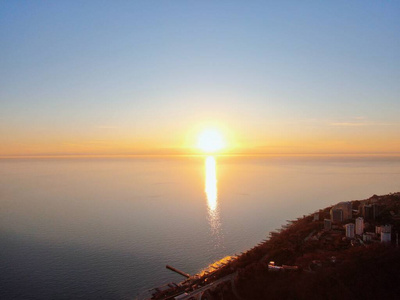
[[199, 139]]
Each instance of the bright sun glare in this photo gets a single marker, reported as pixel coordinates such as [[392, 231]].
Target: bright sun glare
[[211, 141]]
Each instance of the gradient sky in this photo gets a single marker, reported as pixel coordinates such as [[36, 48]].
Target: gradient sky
[[144, 77]]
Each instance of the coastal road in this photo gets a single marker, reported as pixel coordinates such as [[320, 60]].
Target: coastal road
[[209, 286]]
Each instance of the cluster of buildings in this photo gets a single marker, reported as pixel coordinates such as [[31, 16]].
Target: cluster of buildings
[[343, 212]]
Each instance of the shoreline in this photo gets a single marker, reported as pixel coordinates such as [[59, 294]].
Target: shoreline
[[306, 234]]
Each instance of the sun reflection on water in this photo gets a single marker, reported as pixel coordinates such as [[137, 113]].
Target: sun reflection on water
[[211, 183], [212, 197]]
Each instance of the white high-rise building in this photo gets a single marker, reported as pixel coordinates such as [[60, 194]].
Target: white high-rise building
[[349, 230], [360, 225], [386, 237]]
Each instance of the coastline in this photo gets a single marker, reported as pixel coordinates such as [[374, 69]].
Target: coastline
[[303, 246]]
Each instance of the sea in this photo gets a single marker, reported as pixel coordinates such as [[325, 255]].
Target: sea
[[105, 228]]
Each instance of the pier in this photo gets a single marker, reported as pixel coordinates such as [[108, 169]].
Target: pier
[[178, 271]]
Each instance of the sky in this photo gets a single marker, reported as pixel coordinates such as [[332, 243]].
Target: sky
[[146, 77]]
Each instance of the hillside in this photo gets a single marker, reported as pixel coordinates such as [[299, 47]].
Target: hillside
[[311, 258]]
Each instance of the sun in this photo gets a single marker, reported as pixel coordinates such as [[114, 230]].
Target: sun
[[210, 141]]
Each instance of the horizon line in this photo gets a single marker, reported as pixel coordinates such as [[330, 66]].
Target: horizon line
[[333, 154]]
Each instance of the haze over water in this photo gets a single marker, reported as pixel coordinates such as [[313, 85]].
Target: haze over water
[[106, 228], [176, 81]]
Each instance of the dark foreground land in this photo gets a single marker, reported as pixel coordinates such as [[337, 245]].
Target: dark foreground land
[[311, 258]]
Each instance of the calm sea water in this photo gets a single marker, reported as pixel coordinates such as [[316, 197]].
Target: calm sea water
[[106, 228]]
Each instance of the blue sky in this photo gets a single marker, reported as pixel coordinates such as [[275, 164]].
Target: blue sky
[[142, 75]]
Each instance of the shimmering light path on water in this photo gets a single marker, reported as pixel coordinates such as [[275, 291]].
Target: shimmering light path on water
[[212, 201]]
